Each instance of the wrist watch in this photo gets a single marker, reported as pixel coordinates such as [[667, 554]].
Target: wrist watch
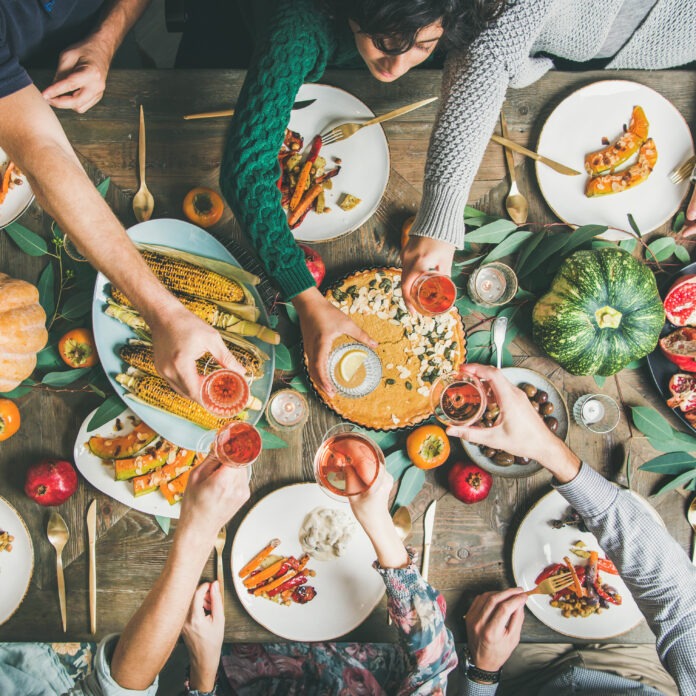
[[480, 676]]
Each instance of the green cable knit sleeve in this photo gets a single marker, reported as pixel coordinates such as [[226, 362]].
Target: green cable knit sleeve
[[294, 49]]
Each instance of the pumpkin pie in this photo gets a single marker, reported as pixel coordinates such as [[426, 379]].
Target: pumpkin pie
[[413, 349]]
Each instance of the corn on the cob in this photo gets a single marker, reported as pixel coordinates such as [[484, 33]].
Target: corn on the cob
[[140, 355], [190, 279], [156, 392]]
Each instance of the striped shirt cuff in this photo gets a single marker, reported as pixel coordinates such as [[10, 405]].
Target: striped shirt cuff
[[589, 492]]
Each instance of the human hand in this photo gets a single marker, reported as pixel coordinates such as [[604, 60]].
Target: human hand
[[422, 254], [690, 226], [80, 78], [179, 338], [493, 626], [214, 494], [321, 323], [203, 633], [519, 430], [371, 508]]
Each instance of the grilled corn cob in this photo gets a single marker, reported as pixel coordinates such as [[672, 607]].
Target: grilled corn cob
[[139, 354], [190, 279], [154, 391]]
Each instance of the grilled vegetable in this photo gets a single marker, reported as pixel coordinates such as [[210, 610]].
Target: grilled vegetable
[[185, 277], [303, 179], [152, 458], [173, 490], [122, 446], [626, 178], [154, 391], [139, 354], [256, 560], [182, 461]]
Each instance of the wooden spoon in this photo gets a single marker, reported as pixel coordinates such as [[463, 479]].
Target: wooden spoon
[[515, 203], [691, 518], [143, 202], [58, 535]]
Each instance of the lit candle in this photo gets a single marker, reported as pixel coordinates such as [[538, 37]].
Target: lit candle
[[287, 409], [592, 411], [490, 284]]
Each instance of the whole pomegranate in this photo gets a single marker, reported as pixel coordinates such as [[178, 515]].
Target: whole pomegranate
[[315, 263], [468, 482], [51, 481]]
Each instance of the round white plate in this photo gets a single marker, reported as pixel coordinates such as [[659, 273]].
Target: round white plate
[[576, 127], [517, 376], [348, 588], [18, 199], [16, 566], [538, 545], [110, 334], [101, 474], [364, 160]]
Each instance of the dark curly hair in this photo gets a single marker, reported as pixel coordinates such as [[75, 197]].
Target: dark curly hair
[[394, 24]]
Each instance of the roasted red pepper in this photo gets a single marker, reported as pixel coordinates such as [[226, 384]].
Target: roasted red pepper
[[607, 566], [614, 599], [548, 572], [292, 582]]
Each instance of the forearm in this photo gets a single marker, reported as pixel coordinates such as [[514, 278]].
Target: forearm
[[651, 563], [151, 634], [118, 17]]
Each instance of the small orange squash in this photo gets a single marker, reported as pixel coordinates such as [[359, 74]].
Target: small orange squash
[[22, 330]]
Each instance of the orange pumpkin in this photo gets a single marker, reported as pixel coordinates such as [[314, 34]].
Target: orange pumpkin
[[203, 206], [22, 330], [428, 446]]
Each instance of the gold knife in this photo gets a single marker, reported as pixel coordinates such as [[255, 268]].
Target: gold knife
[[92, 538], [556, 166]]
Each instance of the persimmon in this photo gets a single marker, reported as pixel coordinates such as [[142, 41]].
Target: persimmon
[[10, 419], [77, 348], [428, 446], [406, 230], [203, 206]]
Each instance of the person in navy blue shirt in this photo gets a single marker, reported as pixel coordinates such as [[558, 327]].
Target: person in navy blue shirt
[[85, 34]]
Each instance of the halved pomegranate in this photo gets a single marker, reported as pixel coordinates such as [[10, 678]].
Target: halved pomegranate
[[683, 390], [680, 348], [680, 303]]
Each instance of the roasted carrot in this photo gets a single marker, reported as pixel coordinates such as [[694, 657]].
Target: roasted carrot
[[254, 580], [303, 178], [275, 583], [304, 204], [577, 585], [254, 563], [6, 179]]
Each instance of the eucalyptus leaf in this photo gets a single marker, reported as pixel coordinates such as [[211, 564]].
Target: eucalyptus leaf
[[651, 423], [29, 242], [467, 306], [470, 212], [283, 359], [396, 463], [164, 523], [386, 439], [478, 339], [292, 313], [104, 187], [682, 253], [492, 233], [672, 463], [634, 225], [48, 359], [60, 379], [109, 409], [481, 355], [581, 236], [691, 486], [271, 441], [273, 321], [46, 286], [551, 246], [661, 248], [77, 306], [509, 246], [678, 222], [467, 262], [508, 360], [628, 245], [602, 244], [97, 390], [677, 481], [299, 384], [635, 364], [600, 380], [670, 445], [528, 249], [411, 485], [684, 439]]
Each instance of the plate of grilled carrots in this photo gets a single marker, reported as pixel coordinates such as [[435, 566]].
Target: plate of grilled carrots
[[625, 138], [208, 281]]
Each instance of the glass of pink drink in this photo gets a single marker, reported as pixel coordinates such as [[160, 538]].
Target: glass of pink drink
[[224, 393]]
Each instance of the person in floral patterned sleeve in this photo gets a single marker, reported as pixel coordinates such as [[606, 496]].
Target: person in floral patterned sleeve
[[418, 665]]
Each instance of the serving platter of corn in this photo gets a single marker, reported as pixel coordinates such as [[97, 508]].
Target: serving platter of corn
[[209, 282]]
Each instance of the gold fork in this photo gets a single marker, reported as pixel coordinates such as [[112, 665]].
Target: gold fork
[[686, 170], [551, 585], [345, 130], [219, 547], [58, 535]]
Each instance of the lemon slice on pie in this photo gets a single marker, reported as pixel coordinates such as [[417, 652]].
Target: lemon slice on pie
[[351, 368]]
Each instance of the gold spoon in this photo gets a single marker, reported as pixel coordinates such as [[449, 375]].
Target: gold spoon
[[58, 535], [515, 203], [402, 522], [691, 518], [143, 202]]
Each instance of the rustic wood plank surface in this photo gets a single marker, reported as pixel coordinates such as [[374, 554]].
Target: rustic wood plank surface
[[471, 545]]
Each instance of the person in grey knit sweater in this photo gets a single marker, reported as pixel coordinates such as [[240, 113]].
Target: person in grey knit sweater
[[656, 570], [513, 52]]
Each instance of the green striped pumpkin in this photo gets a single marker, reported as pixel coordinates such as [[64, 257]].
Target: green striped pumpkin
[[602, 312]]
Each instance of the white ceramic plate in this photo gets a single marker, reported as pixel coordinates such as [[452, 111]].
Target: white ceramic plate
[[16, 566], [348, 588], [517, 376], [364, 160], [576, 127], [18, 199], [538, 545], [101, 474], [110, 334]]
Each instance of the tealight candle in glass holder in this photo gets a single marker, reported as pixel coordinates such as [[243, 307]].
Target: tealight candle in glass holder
[[492, 285], [287, 410]]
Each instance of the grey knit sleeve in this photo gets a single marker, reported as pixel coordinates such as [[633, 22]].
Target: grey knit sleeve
[[473, 90]]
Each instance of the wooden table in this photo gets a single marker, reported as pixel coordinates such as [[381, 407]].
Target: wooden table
[[471, 545]]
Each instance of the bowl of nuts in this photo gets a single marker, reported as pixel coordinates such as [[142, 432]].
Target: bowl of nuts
[[546, 399]]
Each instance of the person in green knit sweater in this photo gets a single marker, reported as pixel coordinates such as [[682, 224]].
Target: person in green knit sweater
[[294, 42]]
